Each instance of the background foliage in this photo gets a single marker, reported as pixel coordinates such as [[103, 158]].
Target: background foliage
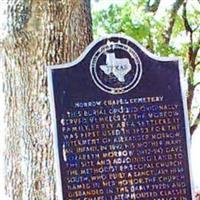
[[164, 30]]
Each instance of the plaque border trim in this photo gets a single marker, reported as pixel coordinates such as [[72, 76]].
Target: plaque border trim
[[183, 85], [55, 135]]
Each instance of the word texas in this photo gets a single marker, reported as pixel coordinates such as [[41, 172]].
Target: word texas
[[119, 67]]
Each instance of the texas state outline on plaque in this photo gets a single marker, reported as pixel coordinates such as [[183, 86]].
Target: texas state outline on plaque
[[119, 67]]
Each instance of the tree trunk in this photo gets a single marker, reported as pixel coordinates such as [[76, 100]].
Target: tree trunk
[[40, 33]]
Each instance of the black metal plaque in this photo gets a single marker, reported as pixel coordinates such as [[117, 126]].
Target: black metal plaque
[[121, 126]]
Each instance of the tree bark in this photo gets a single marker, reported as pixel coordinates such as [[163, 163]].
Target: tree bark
[[40, 33]]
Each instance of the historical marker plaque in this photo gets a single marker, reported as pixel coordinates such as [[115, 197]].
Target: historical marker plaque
[[121, 127]]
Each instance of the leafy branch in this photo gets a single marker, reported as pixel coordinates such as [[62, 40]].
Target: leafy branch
[[168, 31]]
